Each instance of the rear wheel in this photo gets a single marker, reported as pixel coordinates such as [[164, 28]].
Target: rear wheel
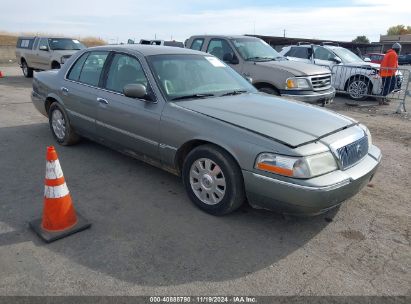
[[213, 180], [60, 126], [28, 72], [358, 88]]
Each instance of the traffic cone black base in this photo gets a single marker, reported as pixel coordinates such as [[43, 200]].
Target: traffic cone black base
[[50, 236]]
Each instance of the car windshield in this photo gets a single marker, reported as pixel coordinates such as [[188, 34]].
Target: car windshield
[[255, 49], [196, 76], [65, 44], [346, 55]]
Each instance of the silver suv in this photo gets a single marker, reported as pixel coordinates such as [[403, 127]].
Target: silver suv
[[267, 69], [351, 74]]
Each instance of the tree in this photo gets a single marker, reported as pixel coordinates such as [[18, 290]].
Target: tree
[[399, 30], [361, 39]]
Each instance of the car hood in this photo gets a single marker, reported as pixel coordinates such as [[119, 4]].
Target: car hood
[[295, 67], [290, 122], [363, 64]]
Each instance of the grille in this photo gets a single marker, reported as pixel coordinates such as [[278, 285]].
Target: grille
[[352, 153], [321, 82]]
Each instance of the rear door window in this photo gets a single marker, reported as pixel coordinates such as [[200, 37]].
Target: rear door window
[[92, 68], [197, 44], [75, 70], [299, 52]]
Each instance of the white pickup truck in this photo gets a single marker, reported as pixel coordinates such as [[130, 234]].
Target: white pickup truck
[[44, 53]]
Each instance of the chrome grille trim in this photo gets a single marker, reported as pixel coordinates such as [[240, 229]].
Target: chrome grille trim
[[352, 153], [321, 82]]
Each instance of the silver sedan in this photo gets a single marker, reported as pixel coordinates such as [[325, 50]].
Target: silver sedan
[[191, 114]]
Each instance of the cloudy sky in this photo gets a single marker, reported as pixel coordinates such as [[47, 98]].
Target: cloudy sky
[[178, 19]]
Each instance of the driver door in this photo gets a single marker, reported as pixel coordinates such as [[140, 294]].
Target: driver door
[[220, 48], [130, 124]]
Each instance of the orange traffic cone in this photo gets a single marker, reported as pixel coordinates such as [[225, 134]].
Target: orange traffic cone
[[59, 216]]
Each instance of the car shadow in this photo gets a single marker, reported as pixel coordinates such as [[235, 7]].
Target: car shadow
[[16, 81], [145, 230]]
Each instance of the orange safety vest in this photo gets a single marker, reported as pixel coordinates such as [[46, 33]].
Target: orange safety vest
[[390, 62]]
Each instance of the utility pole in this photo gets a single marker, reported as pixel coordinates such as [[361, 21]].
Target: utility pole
[[284, 33]]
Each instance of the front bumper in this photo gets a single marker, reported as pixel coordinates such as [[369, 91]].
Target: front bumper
[[313, 196], [323, 97]]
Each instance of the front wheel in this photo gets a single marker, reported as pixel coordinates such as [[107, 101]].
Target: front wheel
[[359, 88], [60, 126], [213, 180], [55, 65]]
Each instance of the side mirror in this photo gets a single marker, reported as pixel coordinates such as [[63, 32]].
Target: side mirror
[[336, 59], [248, 78], [43, 48], [230, 58], [366, 59], [136, 90]]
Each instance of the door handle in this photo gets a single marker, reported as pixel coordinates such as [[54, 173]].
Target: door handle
[[102, 100], [64, 90]]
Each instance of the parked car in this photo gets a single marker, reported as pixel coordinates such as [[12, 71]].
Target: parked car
[[375, 57], [268, 70], [191, 114], [44, 53], [404, 59], [350, 73]]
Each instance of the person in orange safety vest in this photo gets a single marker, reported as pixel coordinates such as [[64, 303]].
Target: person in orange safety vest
[[388, 69]]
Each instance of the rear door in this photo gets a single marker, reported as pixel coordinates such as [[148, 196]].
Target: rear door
[[31, 54], [81, 88], [128, 123]]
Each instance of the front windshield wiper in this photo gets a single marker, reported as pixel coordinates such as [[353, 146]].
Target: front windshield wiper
[[235, 92], [192, 96], [260, 58]]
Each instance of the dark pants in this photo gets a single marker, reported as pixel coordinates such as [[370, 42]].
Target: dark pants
[[388, 85]]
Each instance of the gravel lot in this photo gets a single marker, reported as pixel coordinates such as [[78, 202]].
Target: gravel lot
[[148, 239]]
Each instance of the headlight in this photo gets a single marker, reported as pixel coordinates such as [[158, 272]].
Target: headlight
[[367, 132], [64, 59], [297, 83], [298, 167]]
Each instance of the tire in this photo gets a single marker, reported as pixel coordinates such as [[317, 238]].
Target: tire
[[213, 180], [358, 88], [55, 65], [269, 90], [27, 72], [60, 126]]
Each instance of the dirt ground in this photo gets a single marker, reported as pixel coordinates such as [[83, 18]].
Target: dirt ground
[[148, 239]]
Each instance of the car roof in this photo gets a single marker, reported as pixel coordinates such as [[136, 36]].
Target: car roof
[[325, 46], [147, 50], [223, 36]]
